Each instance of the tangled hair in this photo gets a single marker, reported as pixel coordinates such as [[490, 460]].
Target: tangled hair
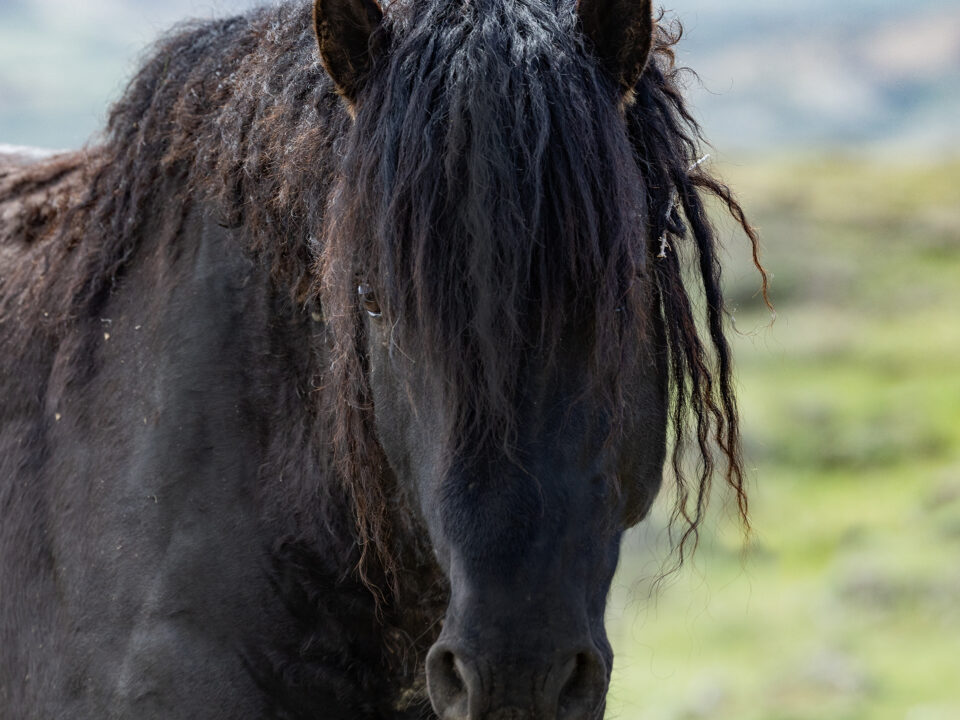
[[487, 188], [667, 137]]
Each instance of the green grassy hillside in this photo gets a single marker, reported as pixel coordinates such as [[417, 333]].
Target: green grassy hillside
[[847, 603]]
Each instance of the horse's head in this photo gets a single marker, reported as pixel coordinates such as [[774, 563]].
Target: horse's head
[[487, 271]]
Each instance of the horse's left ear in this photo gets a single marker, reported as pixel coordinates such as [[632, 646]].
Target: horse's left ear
[[622, 34], [344, 29]]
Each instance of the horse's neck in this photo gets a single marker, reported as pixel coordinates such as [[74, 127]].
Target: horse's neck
[[216, 367], [250, 356]]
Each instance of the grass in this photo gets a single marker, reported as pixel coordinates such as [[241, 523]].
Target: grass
[[846, 605]]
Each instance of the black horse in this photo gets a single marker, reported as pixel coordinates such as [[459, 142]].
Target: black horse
[[330, 382]]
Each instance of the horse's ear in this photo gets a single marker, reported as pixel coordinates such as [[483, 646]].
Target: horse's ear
[[344, 29], [622, 34]]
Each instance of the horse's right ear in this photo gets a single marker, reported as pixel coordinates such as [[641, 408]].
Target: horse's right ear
[[622, 35], [344, 29]]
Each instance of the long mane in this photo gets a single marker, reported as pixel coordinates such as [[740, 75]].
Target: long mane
[[238, 116], [488, 188]]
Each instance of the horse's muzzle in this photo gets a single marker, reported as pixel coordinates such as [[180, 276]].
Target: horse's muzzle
[[464, 685]]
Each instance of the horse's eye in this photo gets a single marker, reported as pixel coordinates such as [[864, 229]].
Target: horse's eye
[[369, 301]]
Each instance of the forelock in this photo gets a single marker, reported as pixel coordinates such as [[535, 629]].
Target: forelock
[[490, 194]]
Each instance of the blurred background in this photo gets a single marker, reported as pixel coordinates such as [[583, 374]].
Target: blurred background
[[837, 123]]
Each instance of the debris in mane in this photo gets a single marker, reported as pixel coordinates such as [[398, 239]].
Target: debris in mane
[[491, 206]]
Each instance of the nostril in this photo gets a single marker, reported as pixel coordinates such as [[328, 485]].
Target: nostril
[[582, 684], [452, 672], [447, 684], [575, 682]]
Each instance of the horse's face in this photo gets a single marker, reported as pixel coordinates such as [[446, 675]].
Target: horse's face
[[526, 491], [528, 541]]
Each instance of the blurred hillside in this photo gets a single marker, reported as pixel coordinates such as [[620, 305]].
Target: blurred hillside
[[846, 604], [862, 73], [824, 73]]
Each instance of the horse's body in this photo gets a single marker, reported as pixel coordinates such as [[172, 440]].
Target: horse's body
[[140, 548], [185, 490]]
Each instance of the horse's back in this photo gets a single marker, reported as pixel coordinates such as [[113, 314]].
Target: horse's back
[[36, 187], [26, 153]]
